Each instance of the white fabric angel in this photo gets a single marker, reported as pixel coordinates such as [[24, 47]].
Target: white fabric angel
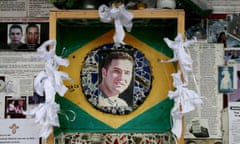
[[185, 100], [48, 83], [180, 55], [120, 16]]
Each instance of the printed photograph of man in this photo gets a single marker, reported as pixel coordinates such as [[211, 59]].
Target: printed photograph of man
[[32, 36], [15, 38], [23, 36], [116, 76]]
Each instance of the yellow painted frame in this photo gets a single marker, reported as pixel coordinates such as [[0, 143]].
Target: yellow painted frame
[[93, 14]]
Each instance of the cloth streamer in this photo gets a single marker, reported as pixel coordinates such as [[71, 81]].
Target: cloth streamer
[[47, 83], [180, 55], [185, 100]]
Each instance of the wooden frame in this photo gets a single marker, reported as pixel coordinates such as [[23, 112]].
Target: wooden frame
[[93, 14]]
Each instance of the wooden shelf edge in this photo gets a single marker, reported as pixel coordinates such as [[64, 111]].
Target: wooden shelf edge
[[93, 14]]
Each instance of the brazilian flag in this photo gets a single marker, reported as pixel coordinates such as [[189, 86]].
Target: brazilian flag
[[76, 39]]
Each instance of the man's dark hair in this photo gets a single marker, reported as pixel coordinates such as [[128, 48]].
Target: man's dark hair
[[15, 26], [116, 55], [32, 26]]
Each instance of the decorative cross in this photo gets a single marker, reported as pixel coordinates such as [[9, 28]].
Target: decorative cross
[[14, 128]]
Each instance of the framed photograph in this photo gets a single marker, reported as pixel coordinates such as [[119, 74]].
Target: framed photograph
[[217, 31], [23, 36], [225, 31], [14, 107], [120, 83], [225, 79], [233, 30]]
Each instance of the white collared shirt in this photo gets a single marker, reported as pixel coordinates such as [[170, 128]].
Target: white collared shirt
[[113, 101]]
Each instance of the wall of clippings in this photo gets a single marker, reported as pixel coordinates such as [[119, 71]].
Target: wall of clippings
[[17, 72], [221, 27], [25, 22]]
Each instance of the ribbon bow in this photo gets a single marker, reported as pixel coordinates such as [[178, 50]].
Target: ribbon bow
[[120, 16]]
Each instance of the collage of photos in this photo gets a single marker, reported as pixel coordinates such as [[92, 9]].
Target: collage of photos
[[28, 36], [215, 30], [14, 105], [232, 56], [23, 36], [226, 31], [232, 60]]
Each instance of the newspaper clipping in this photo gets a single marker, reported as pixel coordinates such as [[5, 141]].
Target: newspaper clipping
[[205, 122], [234, 122], [224, 6], [17, 71], [25, 8]]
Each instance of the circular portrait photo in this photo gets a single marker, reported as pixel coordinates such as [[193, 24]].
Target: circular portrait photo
[[116, 80]]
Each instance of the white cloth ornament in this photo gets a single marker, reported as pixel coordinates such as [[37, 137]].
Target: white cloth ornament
[[46, 115], [121, 18], [180, 55], [51, 75], [48, 83], [185, 101], [177, 123], [38, 83]]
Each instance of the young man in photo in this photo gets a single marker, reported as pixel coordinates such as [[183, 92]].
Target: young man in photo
[[32, 36], [116, 77], [15, 35]]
